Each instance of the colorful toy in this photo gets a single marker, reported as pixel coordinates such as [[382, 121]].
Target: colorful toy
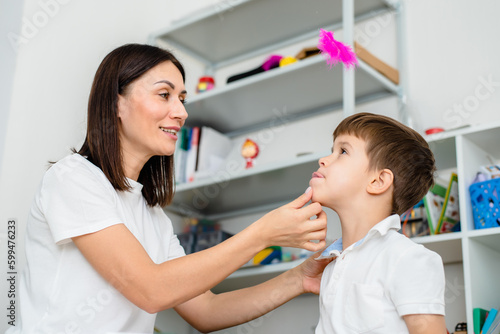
[[249, 151], [335, 51], [268, 255], [287, 61], [204, 84], [271, 62]]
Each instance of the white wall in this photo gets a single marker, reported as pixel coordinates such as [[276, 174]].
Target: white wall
[[10, 23], [452, 54], [64, 42]]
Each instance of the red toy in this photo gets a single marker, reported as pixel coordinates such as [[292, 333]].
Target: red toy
[[249, 151]]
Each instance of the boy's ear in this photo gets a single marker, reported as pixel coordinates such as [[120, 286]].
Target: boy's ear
[[381, 181]]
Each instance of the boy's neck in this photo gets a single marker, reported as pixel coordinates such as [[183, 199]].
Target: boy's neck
[[355, 227]]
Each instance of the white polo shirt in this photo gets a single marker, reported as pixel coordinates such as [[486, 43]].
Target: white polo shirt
[[375, 282]]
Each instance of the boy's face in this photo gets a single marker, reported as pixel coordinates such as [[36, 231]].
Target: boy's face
[[342, 176]]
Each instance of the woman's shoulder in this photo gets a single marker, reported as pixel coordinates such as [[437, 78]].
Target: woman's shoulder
[[75, 168]]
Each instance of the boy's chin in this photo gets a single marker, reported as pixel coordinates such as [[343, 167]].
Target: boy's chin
[[316, 199]]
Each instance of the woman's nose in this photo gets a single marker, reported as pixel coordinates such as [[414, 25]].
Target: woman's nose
[[179, 111]]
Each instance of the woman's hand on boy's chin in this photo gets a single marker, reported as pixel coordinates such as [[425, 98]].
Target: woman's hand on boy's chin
[[311, 271], [291, 225]]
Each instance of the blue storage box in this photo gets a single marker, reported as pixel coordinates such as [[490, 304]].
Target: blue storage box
[[485, 200]]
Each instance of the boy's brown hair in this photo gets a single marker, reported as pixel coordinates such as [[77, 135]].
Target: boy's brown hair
[[392, 145]]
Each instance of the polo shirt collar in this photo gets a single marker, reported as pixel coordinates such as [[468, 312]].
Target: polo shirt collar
[[392, 222]]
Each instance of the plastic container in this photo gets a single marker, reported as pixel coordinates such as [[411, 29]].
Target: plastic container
[[485, 200]]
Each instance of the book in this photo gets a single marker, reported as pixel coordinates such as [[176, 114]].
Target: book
[[489, 320], [450, 213], [213, 149], [433, 202], [495, 325], [192, 153], [478, 316], [180, 155]]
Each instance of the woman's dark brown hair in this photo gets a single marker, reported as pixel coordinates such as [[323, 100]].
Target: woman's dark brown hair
[[102, 144]]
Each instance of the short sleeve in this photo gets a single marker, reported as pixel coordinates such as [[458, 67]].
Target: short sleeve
[[76, 200], [176, 250], [172, 246], [417, 283]]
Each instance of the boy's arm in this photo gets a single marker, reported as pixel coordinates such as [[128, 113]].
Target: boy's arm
[[425, 323], [209, 312]]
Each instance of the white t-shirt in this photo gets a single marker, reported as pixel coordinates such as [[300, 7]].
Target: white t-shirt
[[375, 282], [59, 290]]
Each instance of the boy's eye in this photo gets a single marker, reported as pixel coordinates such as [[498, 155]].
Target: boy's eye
[[343, 151]]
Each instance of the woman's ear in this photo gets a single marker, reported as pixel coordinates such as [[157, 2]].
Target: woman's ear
[[381, 181], [121, 106]]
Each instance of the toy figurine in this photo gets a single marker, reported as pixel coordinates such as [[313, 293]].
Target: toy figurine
[[204, 84], [249, 151]]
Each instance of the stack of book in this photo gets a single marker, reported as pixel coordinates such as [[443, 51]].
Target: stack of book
[[486, 322], [199, 152]]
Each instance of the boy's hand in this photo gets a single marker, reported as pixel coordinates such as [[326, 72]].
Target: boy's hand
[[291, 226], [311, 271]]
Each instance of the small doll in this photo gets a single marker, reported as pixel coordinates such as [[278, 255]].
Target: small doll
[[249, 151]]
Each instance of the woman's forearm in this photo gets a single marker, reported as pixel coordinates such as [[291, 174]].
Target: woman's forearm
[[211, 312]]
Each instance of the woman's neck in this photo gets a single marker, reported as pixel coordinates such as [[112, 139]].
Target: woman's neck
[[132, 165]]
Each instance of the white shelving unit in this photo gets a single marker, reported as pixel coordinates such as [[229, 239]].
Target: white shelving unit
[[221, 36], [230, 33]]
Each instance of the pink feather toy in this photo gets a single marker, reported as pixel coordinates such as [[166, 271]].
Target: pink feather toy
[[335, 51]]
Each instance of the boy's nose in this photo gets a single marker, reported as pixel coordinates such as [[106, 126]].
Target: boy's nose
[[326, 161]]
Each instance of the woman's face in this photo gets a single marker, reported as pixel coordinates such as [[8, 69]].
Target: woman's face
[[151, 112]]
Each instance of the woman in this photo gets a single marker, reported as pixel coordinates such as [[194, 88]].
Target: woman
[[101, 253]]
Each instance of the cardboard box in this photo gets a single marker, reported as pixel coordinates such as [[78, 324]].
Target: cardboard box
[[388, 71]]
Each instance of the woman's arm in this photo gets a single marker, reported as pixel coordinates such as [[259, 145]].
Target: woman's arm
[[209, 312], [119, 257]]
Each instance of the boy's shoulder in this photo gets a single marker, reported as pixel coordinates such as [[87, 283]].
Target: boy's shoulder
[[402, 246]]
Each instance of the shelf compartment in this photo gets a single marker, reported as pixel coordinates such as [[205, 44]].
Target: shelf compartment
[[250, 276], [253, 26], [283, 93], [447, 245], [257, 188], [445, 152], [484, 254]]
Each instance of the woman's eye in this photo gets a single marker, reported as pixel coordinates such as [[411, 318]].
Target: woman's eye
[[164, 95], [183, 100]]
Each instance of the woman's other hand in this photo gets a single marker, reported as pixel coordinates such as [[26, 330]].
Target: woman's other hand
[[311, 271]]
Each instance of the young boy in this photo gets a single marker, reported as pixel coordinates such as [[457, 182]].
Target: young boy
[[380, 281]]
